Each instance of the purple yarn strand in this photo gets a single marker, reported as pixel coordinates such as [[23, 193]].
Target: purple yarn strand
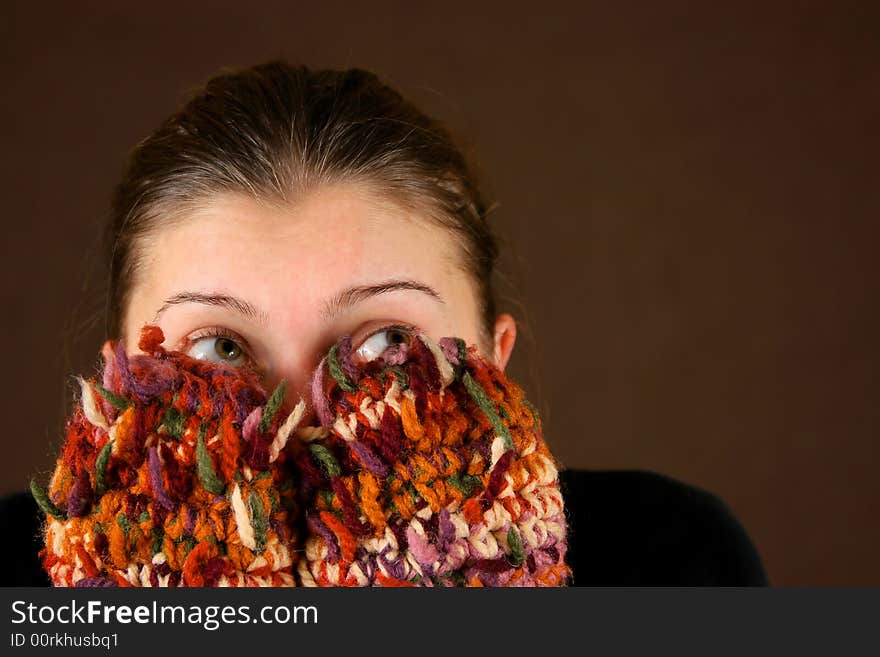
[[344, 353], [317, 525], [251, 424], [450, 349], [319, 399], [370, 461], [96, 583], [155, 468], [124, 371]]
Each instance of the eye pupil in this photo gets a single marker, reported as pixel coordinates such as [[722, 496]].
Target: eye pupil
[[377, 343], [227, 348]]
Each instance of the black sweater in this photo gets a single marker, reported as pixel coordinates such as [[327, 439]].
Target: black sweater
[[626, 528]]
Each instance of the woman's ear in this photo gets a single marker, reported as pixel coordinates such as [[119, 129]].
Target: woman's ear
[[505, 337]]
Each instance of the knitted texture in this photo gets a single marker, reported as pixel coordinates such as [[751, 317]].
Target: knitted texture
[[429, 470], [171, 474]]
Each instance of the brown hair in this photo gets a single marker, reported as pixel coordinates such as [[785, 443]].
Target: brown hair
[[275, 131]]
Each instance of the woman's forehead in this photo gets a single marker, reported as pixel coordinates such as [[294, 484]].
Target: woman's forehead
[[335, 237], [330, 221]]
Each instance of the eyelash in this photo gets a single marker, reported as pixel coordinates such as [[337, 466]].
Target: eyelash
[[407, 328], [221, 332]]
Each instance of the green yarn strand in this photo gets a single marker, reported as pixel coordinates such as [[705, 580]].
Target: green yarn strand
[[475, 390], [464, 483], [207, 475], [172, 423], [259, 518], [325, 459], [514, 542], [336, 370], [45, 503], [101, 467], [272, 406], [124, 524], [117, 402]]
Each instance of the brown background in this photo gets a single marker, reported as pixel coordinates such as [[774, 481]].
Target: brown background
[[689, 199]]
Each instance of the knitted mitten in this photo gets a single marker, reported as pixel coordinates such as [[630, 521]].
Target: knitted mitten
[[429, 469], [171, 474]]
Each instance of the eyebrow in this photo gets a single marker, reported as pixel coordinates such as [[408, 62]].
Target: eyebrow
[[330, 309], [357, 293], [235, 304]]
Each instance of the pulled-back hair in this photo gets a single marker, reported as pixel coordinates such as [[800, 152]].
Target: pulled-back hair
[[275, 132]]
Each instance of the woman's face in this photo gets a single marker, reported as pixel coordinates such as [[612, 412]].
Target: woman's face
[[272, 288]]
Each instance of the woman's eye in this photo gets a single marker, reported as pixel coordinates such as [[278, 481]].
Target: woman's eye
[[376, 344], [218, 349]]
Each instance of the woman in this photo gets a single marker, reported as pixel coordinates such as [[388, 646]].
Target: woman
[[283, 208]]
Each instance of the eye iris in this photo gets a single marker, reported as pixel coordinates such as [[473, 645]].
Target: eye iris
[[375, 345], [397, 337], [227, 348]]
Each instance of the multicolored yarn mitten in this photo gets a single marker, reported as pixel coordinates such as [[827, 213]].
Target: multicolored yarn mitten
[[429, 470], [171, 474]]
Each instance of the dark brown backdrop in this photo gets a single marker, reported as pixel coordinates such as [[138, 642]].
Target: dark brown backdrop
[[689, 197]]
